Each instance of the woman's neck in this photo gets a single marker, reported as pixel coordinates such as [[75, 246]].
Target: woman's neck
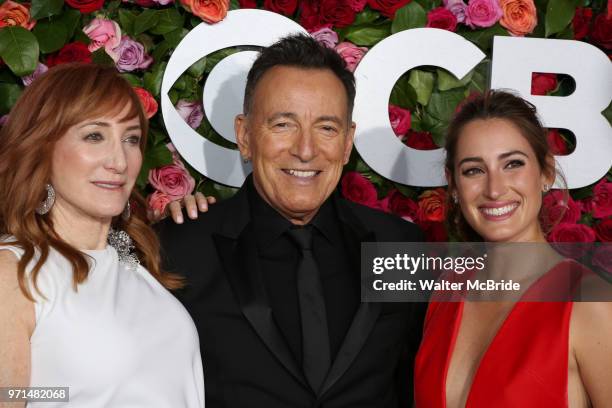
[[80, 230]]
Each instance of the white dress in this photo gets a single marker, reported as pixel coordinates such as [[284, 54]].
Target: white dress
[[121, 340]]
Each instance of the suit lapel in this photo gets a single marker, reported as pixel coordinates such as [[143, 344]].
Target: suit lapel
[[238, 253], [354, 234]]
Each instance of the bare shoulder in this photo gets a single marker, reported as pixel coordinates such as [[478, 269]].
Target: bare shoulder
[[14, 305]]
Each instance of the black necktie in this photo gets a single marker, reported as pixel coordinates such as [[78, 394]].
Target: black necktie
[[315, 338]]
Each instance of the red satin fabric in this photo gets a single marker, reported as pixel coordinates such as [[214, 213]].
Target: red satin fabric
[[526, 364]]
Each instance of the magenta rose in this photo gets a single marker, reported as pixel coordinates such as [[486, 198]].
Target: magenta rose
[[582, 22], [420, 140], [434, 231], [357, 5], [402, 206], [458, 8], [158, 201], [326, 36], [559, 207], [602, 257], [603, 230], [483, 13], [556, 143], [351, 54], [357, 188], [3, 119], [130, 55], [103, 33], [541, 84], [442, 18], [191, 112], [40, 69], [173, 180], [576, 239], [400, 119], [601, 202]]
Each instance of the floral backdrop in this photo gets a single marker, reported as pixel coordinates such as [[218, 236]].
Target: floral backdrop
[[138, 36]]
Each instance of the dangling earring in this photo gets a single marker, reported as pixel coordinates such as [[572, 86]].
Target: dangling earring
[[127, 212], [245, 160], [46, 205], [546, 187], [455, 198]]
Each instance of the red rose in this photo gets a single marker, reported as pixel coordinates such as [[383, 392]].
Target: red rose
[[403, 206], [604, 230], [73, 52], [420, 140], [601, 203], [247, 4], [602, 256], [400, 119], [434, 231], [316, 14], [387, 7], [286, 7], [85, 6], [579, 234], [556, 143], [582, 22], [357, 188], [541, 84], [432, 205], [442, 17], [602, 31], [149, 104], [559, 209]]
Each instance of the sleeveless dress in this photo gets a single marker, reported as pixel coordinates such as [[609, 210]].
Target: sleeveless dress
[[121, 340], [526, 364]]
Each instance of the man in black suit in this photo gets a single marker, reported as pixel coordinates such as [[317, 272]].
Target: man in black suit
[[273, 274]]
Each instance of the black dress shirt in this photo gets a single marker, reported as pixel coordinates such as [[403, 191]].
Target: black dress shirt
[[278, 259]]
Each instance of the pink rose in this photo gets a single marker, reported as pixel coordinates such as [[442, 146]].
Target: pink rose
[[357, 5], [173, 180], [3, 119], [458, 8], [351, 54], [40, 69], [357, 188], [557, 145], [559, 208], [483, 13], [158, 201], [191, 112], [103, 33], [326, 36], [604, 230], [601, 203], [400, 119], [602, 256], [442, 18]]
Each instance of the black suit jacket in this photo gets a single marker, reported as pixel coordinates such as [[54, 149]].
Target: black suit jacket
[[247, 362]]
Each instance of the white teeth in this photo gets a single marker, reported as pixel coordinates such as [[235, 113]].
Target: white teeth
[[107, 185], [499, 211], [304, 174]]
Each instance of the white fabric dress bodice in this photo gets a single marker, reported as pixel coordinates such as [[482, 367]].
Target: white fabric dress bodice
[[120, 340]]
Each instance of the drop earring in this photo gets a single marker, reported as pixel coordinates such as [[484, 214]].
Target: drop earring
[[127, 212], [48, 202]]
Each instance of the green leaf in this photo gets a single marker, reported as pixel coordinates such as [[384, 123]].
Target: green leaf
[[153, 80], [19, 50], [234, 5], [436, 127], [9, 93], [403, 94], [134, 80], [367, 16], [197, 69], [100, 57], [367, 35], [45, 8], [442, 105], [168, 20], [51, 35], [447, 81], [608, 113], [145, 20], [559, 13], [154, 157], [423, 83], [70, 18], [412, 15], [214, 58], [127, 20], [484, 38]]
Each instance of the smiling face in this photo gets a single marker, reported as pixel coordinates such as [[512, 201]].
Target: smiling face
[[298, 137], [499, 182], [95, 165]]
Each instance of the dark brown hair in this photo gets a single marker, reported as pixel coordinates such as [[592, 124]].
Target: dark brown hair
[[494, 104], [59, 99]]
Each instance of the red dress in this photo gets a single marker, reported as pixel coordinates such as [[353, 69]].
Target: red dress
[[526, 364]]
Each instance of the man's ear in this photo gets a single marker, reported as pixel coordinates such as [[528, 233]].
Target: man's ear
[[242, 135], [348, 142]]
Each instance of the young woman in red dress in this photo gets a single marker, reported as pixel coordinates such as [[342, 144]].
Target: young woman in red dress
[[509, 354]]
